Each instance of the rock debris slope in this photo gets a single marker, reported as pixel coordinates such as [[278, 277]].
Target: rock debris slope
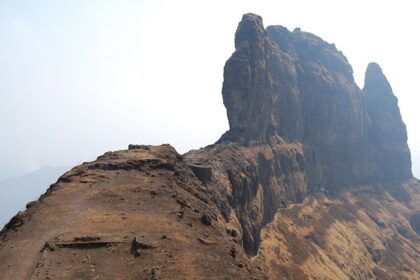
[[312, 181]]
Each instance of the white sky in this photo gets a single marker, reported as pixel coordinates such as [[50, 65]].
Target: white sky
[[79, 78]]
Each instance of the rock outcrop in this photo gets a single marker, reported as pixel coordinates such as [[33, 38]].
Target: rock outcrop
[[295, 86], [294, 94], [387, 132], [250, 184], [313, 179]]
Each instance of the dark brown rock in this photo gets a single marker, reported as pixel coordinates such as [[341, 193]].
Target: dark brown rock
[[30, 204], [133, 248], [203, 173], [156, 273], [206, 220], [296, 87], [313, 179]]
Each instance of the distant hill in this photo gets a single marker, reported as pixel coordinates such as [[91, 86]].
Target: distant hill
[[312, 180], [15, 192]]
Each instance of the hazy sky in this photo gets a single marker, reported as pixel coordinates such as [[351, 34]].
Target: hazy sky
[[79, 78]]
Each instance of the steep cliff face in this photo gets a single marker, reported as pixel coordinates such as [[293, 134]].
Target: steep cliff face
[[284, 90], [256, 80], [313, 179], [295, 86], [249, 184], [387, 132]]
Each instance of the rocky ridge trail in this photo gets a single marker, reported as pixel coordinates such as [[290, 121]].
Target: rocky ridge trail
[[312, 181]]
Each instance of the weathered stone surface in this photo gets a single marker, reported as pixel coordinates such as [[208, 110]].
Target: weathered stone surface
[[121, 223], [313, 179], [387, 132], [297, 87], [415, 222], [252, 183], [203, 173]]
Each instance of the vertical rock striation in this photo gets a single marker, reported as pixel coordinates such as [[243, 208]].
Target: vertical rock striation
[[387, 131], [297, 87], [284, 90], [300, 128]]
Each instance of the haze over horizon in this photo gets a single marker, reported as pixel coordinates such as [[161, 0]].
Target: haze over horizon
[[80, 78]]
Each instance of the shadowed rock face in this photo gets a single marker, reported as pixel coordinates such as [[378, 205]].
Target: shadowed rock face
[[297, 87], [313, 179], [249, 184], [387, 131], [294, 94]]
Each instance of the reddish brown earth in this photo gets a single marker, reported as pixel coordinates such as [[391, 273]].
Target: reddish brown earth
[[312, 181], [84, 227], [363, 233]]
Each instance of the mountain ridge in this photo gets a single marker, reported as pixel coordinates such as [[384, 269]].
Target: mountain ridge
[[312, 181]]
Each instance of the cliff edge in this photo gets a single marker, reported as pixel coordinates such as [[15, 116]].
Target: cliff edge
[[312, 181]]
